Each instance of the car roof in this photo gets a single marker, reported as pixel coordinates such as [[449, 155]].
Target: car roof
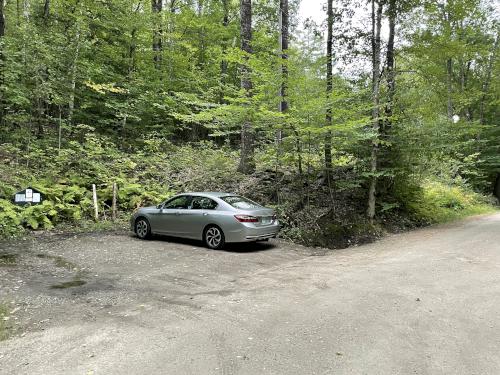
[[215, 194]]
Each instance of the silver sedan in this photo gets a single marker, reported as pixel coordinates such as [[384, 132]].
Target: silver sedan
[[214, 218]]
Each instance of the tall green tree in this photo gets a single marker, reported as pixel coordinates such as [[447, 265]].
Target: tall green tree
[[247, 164]]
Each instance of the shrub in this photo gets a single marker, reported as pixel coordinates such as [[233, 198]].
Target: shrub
[[437, 202]]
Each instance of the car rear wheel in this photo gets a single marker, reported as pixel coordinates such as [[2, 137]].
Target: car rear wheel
[[142, 228], [214, 237]]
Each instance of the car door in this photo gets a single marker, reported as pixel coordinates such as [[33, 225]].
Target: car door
[[199, 215], [170, 218]]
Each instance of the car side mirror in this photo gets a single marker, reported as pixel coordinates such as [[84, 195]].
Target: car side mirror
[[159, 206]]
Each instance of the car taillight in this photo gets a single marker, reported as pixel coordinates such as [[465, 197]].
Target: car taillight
[[246, 219]]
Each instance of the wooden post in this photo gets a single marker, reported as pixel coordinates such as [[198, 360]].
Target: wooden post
[[94, 195], [113, 204]]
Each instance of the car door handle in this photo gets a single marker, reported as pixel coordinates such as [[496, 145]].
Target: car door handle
[[205, 213]]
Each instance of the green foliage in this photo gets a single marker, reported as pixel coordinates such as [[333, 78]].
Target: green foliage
[[10, 219], [85, 100], [438, 203], [147, 176]]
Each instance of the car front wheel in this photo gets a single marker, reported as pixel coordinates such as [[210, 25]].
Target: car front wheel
[[214, 237], [142, 228]]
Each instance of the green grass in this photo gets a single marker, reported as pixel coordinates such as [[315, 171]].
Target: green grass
[[440, 203]]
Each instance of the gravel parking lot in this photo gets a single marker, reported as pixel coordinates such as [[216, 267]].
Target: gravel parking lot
[[425, 302], [53, 280]]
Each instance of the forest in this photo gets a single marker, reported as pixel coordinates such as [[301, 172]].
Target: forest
[[382, 118]]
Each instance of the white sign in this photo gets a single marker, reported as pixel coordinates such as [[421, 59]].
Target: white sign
[[28, 196], [20, 198]]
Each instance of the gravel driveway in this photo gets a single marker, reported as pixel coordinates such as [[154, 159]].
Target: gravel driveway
[[424, 302]]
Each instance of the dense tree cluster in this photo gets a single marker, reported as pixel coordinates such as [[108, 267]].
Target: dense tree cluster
[[383, 96]]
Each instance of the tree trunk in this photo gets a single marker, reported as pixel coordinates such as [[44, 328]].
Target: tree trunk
[[2, 19], [71, 103], [386, 157], [375, 39], [46, 10], [449, 77], [59, 131], [390, 68], [224, 63], [156, 8], [486, 83], [284, 31], [2, 34], [131, 51], [496, 188], [247, 164], [465, 80], [329, 87]]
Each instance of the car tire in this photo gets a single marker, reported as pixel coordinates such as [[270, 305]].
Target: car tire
[[213, 237], [142, 228]]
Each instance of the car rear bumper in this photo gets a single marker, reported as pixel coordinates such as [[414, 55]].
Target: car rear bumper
[[249, 234]]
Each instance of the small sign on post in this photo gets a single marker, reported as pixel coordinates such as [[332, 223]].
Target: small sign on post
[[28, 195]]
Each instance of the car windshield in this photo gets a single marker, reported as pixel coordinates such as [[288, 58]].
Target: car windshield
[[240, 202]]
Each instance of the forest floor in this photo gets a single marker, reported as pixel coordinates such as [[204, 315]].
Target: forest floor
[[423, 302]]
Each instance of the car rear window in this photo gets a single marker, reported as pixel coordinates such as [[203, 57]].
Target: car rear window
[[240, 202]]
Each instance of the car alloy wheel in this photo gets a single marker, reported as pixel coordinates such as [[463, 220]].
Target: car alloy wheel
[[214, 238], [142, 228]]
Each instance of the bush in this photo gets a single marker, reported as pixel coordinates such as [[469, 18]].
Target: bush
[[436, 202], [10, 219]]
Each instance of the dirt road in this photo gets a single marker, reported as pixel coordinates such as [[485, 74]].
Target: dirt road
[[424, 302]]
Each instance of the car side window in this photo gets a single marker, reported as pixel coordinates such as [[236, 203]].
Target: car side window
[[203, 203], [181, 202]]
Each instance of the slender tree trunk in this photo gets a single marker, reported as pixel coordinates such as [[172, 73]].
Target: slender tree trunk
[[131, 51], [156, 8], [224, 63], [464, 82], [376, 27], [2, 62], [247, 164], [486, 84], [73, 71], [18, 12], [172, 7], [329, 88], [390, 68], [46, 10], [449, 78], [386, 157], [284, 36], [2, 19], [40, 115], [59, 131], [201, 36]]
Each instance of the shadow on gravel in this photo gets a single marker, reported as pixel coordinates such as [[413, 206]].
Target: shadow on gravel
[[244, 247], [8, 259]]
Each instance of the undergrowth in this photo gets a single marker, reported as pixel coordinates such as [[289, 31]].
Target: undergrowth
[[441, 203], [311, 212]]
